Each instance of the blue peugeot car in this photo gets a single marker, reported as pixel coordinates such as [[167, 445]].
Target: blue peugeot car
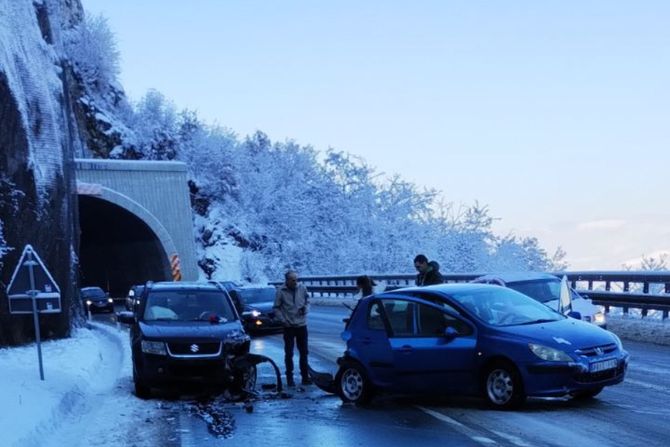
[[473, 339]]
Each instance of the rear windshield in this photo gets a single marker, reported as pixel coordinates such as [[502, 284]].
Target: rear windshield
[[187, 305], [262, 295], [93, 293]]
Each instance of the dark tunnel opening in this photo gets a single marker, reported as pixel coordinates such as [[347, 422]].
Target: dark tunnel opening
[[117, 249]]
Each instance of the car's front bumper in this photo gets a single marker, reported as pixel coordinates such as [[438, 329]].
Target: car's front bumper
[[101, 306], [163, 370], [261, 323], [557, 379]]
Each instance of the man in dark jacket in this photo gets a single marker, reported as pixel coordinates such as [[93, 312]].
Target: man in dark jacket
[[429, 272]]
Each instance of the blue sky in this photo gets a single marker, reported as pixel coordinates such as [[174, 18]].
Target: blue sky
[[554, 114]]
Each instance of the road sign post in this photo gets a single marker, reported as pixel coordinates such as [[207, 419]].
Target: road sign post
[[33, 290]]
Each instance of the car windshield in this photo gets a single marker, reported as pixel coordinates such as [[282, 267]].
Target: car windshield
[[500, 306], [187, 305], [93, 293], [135, 291], [260, 295], [542, 290]]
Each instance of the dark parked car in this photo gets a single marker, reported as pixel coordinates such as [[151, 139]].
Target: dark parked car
[[229, 286], [95, 299], [187, 333], [474, 339], [133, 296], [257, 313]]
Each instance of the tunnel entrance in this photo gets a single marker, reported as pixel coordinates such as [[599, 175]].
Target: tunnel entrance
[[117, 249]]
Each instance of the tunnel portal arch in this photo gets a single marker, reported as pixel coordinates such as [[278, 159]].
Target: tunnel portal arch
[[136, 223]]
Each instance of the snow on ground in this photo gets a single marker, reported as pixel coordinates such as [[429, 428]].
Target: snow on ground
[[631, 327], [71, 406]]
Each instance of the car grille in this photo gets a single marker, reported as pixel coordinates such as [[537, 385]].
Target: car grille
[[194, 349], [600, 375], [206, 371], [596, 351]]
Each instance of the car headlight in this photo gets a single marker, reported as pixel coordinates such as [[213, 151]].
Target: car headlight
[[549, 354], [252, 313], [153, 347], [599, 319], [109, 300], [89, 302]]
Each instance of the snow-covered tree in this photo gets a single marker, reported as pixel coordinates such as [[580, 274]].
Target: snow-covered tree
[[91, 46], [156, 127]]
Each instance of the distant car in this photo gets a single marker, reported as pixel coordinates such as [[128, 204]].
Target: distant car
[[472, 339], [133, 296], [187, 333], [228, 286], [545, 288], [257, 313], [95, 299]]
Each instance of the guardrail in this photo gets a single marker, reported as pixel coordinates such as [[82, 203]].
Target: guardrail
[[644, 290]]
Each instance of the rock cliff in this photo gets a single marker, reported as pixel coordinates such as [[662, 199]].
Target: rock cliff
[[39, 138]]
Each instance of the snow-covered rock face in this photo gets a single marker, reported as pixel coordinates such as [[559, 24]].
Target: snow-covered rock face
[[37, 141]]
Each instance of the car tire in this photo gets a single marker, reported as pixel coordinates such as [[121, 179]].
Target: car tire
[[503, 386], [142, 389], [587, 394], [353, 384]]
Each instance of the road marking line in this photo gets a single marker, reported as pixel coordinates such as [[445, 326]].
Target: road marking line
[[513, 439], [651, 386], [472, 434]]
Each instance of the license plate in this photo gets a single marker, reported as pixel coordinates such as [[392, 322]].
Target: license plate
[[602, 366]]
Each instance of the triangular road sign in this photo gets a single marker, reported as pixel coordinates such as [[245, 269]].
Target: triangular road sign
[[23, 286]]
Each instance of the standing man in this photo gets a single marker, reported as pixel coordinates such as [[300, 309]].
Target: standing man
[[291, 307], [429, 272]]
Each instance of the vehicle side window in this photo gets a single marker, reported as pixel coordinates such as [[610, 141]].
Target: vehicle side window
[[435, 300], [400, 316], [433, 322], [375, 316]]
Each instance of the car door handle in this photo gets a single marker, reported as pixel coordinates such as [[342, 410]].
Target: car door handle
[[366, 340], [406, 349]]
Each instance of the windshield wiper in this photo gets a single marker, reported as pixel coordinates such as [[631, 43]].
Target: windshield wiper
[[538, 321]]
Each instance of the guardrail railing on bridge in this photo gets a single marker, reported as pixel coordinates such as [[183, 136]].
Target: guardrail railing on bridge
[[644, 290]]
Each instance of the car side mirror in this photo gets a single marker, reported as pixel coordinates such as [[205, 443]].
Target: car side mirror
[[125, 317], [450, 333], [574, 314]]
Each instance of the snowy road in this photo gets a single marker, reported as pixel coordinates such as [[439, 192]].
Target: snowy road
[[631, 414]]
